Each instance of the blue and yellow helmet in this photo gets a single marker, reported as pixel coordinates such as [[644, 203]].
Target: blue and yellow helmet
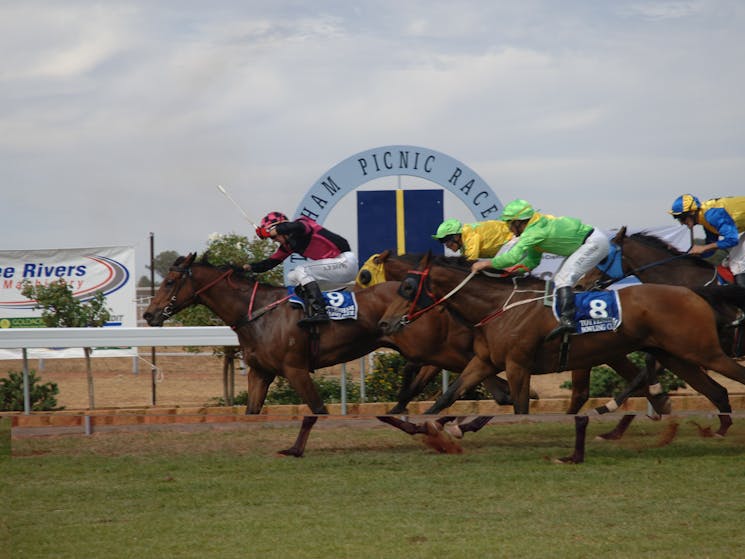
[[684, 204]]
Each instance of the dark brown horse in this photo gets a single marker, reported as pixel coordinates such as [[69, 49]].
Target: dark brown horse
[[656, 318], [652, 260], [274, 345], [386, 266]]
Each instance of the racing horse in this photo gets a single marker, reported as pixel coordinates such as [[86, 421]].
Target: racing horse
[[272, 342], [652, 260], [386, 266], [510, 324]]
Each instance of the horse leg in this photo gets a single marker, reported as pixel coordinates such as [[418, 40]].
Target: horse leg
[[298, 448], [457, 429], [476, 371], [406, 426], [301, 382], [646, 378], [580, 390], [580, 434], [411, 388], [258, 386], [499, 389], [519, 378], [697, 379]]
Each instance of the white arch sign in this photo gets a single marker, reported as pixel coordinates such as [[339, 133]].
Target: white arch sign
[[386, 161]]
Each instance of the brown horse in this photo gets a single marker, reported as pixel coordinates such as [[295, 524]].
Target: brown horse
[[513, 322], [652, 260], [386, 266], [273, 344]]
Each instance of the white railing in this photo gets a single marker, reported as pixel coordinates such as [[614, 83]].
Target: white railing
[[26, 338], [23, 338]]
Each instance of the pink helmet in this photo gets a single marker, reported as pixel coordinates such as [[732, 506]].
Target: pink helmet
[[267, 222]]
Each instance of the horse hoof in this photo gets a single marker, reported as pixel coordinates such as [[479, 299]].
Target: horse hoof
[[454, 431], [290, 452], [569, 460], [437, 439]]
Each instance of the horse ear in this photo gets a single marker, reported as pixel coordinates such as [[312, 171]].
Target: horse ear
[[426, 259], [620, 236], [383, 256], [190, 258]]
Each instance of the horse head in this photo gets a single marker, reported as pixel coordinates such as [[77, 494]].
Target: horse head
[[171, 296]]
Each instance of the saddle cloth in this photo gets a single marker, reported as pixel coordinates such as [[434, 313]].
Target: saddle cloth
[[595, 311], [340, 305]]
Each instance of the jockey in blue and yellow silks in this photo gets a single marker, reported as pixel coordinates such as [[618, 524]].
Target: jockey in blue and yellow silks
[[723, 220]]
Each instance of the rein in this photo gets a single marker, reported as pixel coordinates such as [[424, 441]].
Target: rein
[[170, 309], [602, 284], [262, 311], [412, 313]]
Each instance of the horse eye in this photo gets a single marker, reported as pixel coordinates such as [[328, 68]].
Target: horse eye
[[408, 288], [169, 282]]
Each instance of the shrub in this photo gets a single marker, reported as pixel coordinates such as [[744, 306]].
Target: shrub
[[42, 396], [383, 384], [282, 393]]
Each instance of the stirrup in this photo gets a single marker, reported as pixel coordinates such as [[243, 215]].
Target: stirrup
[[314, 319], [559, 330]]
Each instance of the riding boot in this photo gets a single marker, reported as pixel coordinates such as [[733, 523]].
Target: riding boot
[[315, 305], [565, 304]]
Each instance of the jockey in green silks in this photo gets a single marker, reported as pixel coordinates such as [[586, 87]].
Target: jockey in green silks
[[582, 245]]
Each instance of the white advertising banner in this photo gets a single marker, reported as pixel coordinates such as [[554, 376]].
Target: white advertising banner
[[87, 271]]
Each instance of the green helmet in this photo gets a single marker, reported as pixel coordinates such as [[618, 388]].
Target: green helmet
[[448, 227], [517, 210]]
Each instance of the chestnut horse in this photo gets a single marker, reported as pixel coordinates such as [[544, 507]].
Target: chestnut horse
[[511, 323], [652, 260], [386, 266], [273, 344]]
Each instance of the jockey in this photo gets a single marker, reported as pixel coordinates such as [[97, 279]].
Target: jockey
[[537, 233], [331, 262], [723, 220], [475, 240]]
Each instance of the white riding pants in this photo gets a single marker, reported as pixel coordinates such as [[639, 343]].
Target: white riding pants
[[582, 260], [737, 256], [330, 273]]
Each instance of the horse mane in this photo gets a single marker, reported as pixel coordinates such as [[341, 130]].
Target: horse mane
[[238, 272], [655, 242]]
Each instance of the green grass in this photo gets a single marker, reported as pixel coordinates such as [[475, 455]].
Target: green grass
[[374, 492]]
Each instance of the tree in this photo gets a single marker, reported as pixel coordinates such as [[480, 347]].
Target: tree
[[162, 262], [61, 309], [234, 249]]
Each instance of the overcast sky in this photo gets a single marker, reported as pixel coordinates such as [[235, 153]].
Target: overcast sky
[[119, 118]]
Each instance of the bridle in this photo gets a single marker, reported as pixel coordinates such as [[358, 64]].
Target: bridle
[[186, 274], [429, 300]]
